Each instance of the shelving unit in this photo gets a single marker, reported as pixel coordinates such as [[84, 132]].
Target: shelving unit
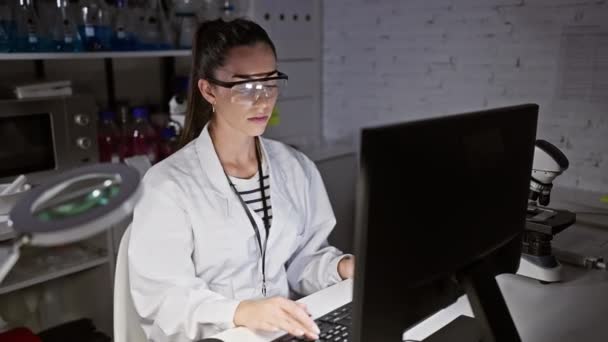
[[86, 268], [299, 46], [44, 56], [167, 69], [37, 266], [14, 56]]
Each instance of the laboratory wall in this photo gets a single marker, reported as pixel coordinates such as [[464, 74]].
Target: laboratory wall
[[388, 61]]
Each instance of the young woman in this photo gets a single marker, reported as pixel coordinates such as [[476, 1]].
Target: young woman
[[231, 225]]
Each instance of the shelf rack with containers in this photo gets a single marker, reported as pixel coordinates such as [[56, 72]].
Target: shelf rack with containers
[[87, 268]]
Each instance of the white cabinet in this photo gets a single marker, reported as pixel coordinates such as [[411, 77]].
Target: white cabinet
[[293, 25]]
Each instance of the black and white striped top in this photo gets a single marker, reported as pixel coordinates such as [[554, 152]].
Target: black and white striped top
[[249, 189]]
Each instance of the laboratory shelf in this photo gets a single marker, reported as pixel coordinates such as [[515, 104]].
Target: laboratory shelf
[[7, 56], [38, 265], [19, 56]]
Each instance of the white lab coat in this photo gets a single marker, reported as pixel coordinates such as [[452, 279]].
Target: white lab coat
[[193, 254]]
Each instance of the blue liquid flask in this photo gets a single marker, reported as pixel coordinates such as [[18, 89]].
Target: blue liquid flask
[[123, 28], [64, 31], [95, 25], [29, 29]]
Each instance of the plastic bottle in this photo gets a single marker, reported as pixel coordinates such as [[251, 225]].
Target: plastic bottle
[[108, 137], [168, 143], [123, 35], [95, 25], [63, 28], [143, 137], [124, 141], [51, 308]]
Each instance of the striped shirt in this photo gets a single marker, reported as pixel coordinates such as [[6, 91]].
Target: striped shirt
[[249, 189]]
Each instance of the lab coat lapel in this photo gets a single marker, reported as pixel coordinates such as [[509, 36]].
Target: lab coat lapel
[[216, 179], [213, 171]]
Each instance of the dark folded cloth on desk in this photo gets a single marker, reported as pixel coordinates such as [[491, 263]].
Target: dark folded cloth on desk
[[19, 335], [82, 330]]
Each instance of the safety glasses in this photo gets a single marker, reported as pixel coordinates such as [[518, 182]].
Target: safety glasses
[[249, 91]]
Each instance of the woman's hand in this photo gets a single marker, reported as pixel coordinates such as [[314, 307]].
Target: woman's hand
[[346, 267], [274, 314]]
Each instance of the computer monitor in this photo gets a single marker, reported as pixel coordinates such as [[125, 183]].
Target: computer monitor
[[441, 207]]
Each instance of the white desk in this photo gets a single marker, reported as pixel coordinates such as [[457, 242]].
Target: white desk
[[574, 310], [570, 311]]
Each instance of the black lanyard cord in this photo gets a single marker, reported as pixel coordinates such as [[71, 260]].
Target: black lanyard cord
[[263, 193], [251, 219]]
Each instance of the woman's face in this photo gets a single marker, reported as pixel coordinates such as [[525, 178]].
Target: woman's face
[[245, 108]]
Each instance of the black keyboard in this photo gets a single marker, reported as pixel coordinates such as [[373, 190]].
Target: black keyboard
[[334, 326]]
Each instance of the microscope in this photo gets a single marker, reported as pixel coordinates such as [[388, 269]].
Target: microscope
[[542, 223]]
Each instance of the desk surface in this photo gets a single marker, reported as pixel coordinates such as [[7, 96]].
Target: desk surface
[[574, 310], [570, 311]]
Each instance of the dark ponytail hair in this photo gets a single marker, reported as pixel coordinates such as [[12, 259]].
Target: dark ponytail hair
[[211, 44]]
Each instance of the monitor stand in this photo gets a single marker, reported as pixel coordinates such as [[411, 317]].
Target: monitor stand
[[463, 328], [492, 322]]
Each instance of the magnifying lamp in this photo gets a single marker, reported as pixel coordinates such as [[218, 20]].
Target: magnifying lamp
[[70, 207]]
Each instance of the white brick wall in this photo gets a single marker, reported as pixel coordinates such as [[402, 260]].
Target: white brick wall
[[392, 60]]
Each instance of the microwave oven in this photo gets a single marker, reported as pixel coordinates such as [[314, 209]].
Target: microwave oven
[[45, 136]]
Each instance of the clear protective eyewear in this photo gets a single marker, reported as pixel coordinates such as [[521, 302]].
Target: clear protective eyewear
[[249, 91]]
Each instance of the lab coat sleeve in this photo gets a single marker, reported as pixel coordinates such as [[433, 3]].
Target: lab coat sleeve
[[165, 289], [314, 265]]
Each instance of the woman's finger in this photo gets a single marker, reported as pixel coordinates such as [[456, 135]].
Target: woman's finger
[[301, 317]]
